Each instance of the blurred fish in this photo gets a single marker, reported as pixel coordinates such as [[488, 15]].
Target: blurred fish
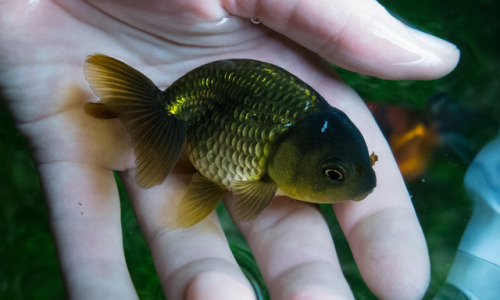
[[249, 127], [414, 135]]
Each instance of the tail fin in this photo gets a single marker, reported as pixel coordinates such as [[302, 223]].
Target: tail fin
[[157, 138], [99, 110]]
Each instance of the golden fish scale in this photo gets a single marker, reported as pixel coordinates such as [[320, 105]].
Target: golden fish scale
[[235, 116]]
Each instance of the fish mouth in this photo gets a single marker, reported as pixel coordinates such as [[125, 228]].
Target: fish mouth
[[363, 195]]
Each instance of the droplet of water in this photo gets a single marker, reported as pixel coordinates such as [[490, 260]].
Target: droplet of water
[[222, 21], [255, 20]]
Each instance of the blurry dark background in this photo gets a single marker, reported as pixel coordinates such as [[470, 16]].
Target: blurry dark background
[[457, 115]]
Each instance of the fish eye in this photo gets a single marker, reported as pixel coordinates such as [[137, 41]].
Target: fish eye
[[335, 174]]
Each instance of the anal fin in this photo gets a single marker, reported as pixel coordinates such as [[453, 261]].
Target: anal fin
[[184, 165], [251, 197], [200, 200]]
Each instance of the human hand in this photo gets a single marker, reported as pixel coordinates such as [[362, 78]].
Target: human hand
[[42, 48]]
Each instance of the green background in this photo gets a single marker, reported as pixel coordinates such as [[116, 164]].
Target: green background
[[28, 267]]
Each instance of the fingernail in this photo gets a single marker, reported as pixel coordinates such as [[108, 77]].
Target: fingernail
[[436, 43]]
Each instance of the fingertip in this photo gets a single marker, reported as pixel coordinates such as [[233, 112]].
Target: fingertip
[[390, 250], [375, 43], [315, 280], [217, 285], [448, 54], [388, 49], [361, 36], [318, 293], [403, 283]]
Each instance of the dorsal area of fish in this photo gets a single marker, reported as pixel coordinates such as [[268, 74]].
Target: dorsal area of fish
[[236, 111]]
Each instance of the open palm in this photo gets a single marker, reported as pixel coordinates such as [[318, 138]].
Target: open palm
[[42, 48]]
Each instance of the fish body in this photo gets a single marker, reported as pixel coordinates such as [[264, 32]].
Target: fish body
[[249, 127], [236, 120]]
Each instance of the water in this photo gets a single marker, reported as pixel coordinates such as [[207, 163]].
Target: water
[[255, 20]]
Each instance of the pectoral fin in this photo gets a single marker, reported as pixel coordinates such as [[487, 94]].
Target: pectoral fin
[[251, 197], [200, 199], [157, 138]]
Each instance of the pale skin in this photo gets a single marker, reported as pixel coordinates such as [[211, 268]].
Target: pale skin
[[42, 48]]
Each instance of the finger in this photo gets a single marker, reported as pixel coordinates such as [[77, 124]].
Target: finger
[[384, 234], [391, 254], [292, 245], [84, 214], [357, 35], [193, 263]]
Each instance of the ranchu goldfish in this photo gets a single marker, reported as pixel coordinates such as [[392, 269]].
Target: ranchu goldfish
[[248, 127]]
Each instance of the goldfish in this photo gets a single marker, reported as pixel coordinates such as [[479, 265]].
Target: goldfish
[[248, 127], [411, 137], [414, 135]]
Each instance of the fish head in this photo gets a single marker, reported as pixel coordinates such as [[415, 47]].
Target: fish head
[[323, 159]]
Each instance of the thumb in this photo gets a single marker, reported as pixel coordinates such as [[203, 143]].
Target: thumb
[[359, 35]]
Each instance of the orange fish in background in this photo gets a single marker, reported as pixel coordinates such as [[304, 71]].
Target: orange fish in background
[[411, 136], [414, 135]]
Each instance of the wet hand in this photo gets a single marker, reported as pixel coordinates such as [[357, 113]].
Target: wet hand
[[43, 46]]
